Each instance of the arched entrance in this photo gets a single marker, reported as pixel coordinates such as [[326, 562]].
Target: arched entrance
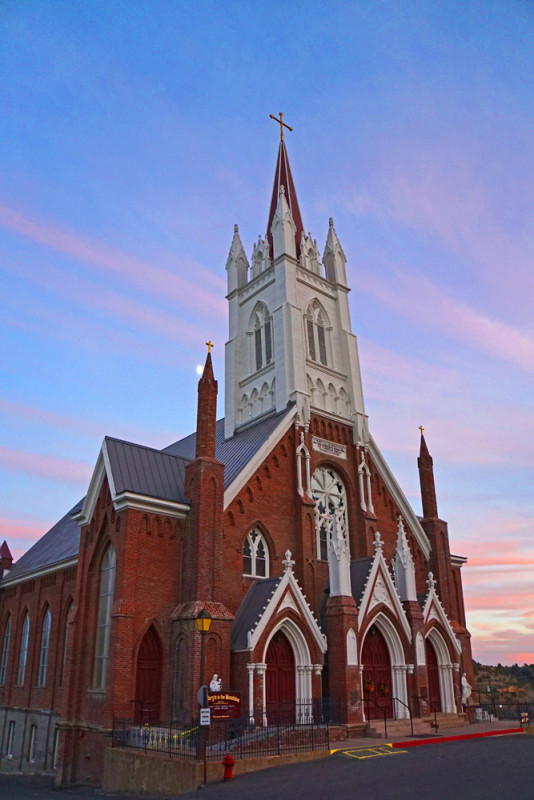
[[432, 669], [377, 681], [148, 678], [280, 679]]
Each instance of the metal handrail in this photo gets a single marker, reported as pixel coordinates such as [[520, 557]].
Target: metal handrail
[[427, 701], [382, 709], [397, 700]]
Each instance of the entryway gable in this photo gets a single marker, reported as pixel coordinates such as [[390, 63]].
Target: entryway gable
[[285, 595], [433, 609], [380, 590]]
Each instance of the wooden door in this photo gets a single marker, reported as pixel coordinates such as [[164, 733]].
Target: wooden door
[[432, 671], [149, 679], [376, 675], [280, 680]]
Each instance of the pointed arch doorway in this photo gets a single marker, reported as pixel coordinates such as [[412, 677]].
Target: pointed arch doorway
[[432, 671], [148, 678], [280, 680], [377, 681]]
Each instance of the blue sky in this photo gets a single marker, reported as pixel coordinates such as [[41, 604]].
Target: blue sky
[[134, 135]]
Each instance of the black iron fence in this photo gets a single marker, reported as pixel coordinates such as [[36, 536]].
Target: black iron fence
[[493, 711], [240, 738]]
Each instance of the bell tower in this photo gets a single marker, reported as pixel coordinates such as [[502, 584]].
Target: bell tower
[[290, 337]]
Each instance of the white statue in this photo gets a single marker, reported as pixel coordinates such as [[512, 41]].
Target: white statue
[[215, 684], [466, 689]]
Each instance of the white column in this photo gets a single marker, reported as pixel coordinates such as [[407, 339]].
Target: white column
[[260, 669], [251, 668], [399, 689]]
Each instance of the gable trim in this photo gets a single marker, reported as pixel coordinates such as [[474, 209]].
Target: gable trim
[[379, 570], [241, 480]]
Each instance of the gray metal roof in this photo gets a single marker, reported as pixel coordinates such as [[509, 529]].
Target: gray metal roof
[[251, 609], [236, 452], [143, 470], [154, 473], [61, 542]]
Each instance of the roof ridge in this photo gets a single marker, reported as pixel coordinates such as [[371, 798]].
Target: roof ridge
[[161, 451]]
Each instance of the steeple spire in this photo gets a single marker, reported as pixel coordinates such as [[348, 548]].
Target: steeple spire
[[207, 410], [426, 479], [283, 177]]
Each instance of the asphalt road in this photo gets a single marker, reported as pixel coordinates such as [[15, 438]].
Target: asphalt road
[[497, 768]]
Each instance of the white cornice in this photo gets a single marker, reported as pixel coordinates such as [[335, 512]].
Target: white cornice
[[139, 502], [154, 505], [458, 561], [400, 498], [36, 573], [255, 462]]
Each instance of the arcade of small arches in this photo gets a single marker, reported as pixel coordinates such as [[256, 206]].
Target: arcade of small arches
[[258, 402], [328, 397]]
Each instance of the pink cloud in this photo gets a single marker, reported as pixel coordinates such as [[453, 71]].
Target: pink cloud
[[93, 429], [416, 297], [22, 529], [152, 278], [57, 469]]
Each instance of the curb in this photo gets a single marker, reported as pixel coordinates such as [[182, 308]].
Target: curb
[[457, 738]]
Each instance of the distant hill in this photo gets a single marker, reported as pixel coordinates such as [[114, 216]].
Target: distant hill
[[508, 683]]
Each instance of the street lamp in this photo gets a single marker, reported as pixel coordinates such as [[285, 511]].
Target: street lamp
[[203, 620]]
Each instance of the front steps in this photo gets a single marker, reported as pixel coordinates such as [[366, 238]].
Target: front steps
[[400, 728]]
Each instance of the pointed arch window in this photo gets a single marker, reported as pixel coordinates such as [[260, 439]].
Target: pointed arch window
[[255, 555], [103, 625], [261, 329], [328, 492], [45, 644], [5, 651], [25, 638], [316, 333]]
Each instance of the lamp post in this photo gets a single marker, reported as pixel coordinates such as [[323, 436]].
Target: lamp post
[[203, 620]]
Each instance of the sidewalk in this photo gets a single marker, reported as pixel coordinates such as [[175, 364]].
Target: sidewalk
[[465, 732]]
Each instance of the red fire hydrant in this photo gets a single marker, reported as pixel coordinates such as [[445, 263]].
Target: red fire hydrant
[[228, 764]]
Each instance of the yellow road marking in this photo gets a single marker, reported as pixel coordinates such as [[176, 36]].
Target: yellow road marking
[[370, 752]]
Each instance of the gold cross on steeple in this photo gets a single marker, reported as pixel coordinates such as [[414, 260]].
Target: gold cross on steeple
[[421, 429], [282, 125], [209, 345]]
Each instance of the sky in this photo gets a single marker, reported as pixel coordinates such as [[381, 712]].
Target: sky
[[135, 135]]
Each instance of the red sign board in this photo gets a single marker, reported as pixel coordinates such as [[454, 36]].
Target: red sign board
[[225, 705]]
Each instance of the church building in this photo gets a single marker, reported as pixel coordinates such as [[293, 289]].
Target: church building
[[281, 522]]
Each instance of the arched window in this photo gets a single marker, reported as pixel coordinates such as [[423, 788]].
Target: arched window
[[45, 643], [330, 498], [103, 625], [316, 333], [23, 649], [66, 642], [5, 651], [261, 329], [255, 555]]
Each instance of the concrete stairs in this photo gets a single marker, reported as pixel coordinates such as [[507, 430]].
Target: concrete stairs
[[399, 728], [448, 720]]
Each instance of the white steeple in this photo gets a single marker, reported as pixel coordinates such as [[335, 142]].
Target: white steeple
[[290, 337]]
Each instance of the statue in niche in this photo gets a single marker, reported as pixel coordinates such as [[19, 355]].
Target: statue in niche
[[216, 684]]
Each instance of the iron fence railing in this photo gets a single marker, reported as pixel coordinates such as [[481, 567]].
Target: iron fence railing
[[240, 738], [495, 711]]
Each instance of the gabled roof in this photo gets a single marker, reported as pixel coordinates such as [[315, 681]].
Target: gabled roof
[[235, 453], [146, 471], [59, 544], [266, 600], [433, 609]]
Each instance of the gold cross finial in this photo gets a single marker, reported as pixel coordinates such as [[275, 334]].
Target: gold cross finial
[[421, 429], [209, 345], [282, 125]]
